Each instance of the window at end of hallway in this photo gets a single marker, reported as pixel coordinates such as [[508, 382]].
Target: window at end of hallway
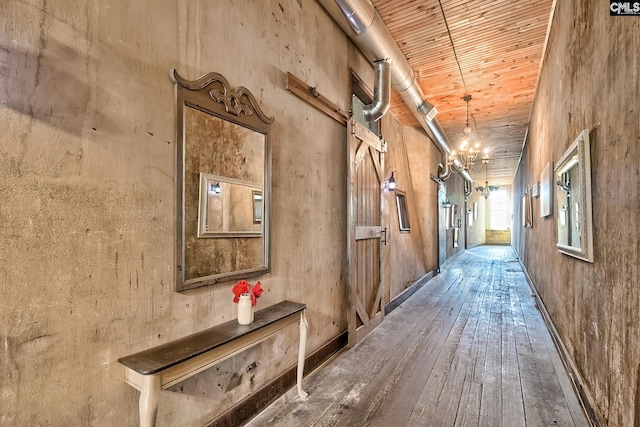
[[499, 210]]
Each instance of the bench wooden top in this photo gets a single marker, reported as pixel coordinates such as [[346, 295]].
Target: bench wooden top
[[172, 353]]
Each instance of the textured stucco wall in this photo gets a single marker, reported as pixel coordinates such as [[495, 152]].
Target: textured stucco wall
[[591, 77], [476, 232], [87, 158]]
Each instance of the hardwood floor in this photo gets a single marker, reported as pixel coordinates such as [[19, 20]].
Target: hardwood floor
[[468, 349]]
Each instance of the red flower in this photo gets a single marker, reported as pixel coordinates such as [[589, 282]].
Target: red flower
[[243, 287], [255, 294]]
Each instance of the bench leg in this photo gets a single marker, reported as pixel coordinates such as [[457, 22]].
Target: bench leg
[[149, 397], [302, 350]]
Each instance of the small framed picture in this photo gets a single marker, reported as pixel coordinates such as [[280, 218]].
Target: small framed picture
[[535, 190]]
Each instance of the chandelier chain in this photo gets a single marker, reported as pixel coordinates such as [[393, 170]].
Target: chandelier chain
[[453, 47]]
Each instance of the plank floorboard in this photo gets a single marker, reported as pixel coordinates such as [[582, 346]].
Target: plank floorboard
[[467, 349], [434, 330], [513, 400], [440, 397]]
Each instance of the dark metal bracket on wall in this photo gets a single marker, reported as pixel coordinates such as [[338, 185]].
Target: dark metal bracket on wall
[[436, 179], [311, 95]]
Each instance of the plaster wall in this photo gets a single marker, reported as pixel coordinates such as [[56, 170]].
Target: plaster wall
[[498, 237], [590, 80], [87, 183], [476, 232]]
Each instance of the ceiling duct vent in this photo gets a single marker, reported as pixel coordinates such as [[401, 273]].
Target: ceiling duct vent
[[360, 21], [381, 92]]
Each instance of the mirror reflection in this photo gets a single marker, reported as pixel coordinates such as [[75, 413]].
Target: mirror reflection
[[229, 208], [224, 165], [569, 188], [573, 200]]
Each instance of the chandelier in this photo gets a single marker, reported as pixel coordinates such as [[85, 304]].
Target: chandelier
[[487, 189], [469, 149]]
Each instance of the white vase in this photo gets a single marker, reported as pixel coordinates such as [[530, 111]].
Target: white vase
[[245, 310]]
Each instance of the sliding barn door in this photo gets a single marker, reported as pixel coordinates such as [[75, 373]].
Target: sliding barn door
[[366, 163]]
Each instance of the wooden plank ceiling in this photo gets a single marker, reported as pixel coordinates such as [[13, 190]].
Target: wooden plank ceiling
[[499, 45]]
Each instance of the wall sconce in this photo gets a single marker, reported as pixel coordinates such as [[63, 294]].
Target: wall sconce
[[216, 188], [389, 184]]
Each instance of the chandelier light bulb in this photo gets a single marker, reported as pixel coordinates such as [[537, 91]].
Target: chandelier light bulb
[[469, 150]]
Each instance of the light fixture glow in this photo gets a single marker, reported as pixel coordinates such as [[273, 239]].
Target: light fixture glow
[[392, 183], [470, 148], [216, 188], [389, 184], [487, 189]]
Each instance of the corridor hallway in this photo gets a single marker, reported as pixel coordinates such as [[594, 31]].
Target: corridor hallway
[[469, 348]]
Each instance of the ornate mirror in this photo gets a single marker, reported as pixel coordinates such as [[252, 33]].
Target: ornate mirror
[[223, 182], [572, 177]]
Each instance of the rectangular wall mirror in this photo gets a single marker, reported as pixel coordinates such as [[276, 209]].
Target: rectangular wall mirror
[[527, 209], [222, 182], [572, 177], [229, 207]]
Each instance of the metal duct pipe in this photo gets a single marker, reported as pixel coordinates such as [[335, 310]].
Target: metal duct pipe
[[381, 92], [446, 171], [360, 21], [468, 188]]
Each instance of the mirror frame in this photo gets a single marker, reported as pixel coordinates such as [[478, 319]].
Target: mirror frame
[[212, 94], [580, 147]]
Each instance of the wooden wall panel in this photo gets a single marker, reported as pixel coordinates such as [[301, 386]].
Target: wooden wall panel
[[408, 255]]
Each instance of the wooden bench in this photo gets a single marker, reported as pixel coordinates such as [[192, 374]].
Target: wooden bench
[[160, 367]]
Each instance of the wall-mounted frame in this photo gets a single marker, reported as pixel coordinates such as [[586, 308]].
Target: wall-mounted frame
[[546, 190], [475, 210], [452, 217], [535, 190], [527, 209], [223, 160], [403, 213], [572, 177]]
